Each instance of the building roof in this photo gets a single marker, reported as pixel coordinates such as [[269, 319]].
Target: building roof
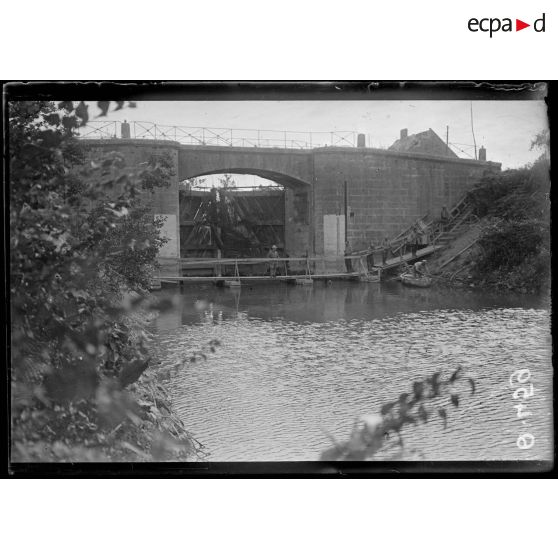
[[428, 143]]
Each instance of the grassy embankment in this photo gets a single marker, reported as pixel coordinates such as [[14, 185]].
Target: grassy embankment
[[509, 247]]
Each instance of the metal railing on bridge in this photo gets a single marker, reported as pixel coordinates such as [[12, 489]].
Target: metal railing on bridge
[[220, 137]]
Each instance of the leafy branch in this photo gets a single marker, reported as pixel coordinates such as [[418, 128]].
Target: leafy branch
[[77, 114], [370, 432]]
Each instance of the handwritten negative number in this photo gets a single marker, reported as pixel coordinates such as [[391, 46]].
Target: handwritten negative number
[[525, 441], [523, 375], [523, 392]]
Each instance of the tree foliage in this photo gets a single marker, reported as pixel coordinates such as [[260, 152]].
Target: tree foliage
[[513, 195], [83, 243], [514, 249], [541, 141], [76, 114]]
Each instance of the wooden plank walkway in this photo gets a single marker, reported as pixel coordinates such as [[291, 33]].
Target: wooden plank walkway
[[378, 268], [258, 278]]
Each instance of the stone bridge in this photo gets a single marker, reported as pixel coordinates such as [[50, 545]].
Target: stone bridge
[[331, 193]]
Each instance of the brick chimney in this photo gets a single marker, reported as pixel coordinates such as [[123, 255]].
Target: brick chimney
[[404, 133], [482, 154]]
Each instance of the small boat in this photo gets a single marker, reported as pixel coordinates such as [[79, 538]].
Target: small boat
[[412, 281]]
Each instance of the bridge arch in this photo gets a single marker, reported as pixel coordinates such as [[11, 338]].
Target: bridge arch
[[280, 178], [276, 216], [290, 167]]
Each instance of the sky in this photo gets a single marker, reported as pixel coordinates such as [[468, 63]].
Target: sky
[[505, 128]]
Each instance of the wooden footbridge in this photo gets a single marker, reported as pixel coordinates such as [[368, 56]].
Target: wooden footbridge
[[226, 271], [262, 269], [364, 266]]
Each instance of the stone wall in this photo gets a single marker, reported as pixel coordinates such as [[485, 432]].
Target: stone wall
[[298, 238], [386, 191]]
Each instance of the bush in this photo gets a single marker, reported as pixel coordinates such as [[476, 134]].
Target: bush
[[514, 195], [82, 242], [515, 246]]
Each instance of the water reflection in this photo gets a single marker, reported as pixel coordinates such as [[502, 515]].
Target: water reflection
[[296, 360], [323, 302]]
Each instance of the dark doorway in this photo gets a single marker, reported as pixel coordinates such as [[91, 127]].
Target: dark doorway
[[239, 221]]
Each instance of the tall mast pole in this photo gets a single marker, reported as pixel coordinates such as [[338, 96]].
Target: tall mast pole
[[473, 130]]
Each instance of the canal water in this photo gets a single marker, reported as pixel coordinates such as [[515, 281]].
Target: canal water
[[298, 362]]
